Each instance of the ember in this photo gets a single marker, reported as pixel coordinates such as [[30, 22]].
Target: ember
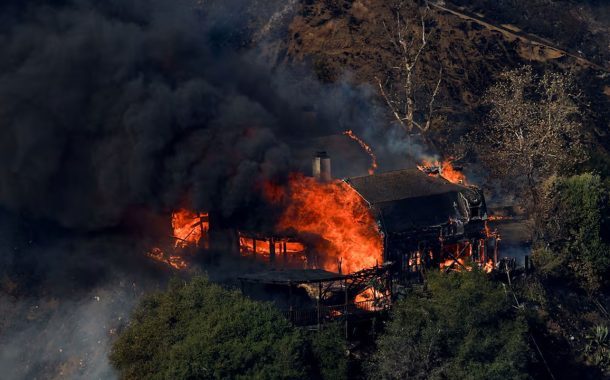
[[350, 238], [175, 261]]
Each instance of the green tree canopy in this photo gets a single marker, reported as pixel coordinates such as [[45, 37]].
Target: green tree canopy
[[199, 330], [575, 228], [462, 327]]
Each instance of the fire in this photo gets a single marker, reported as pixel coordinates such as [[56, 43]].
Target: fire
[[175, 261], [349, 133], [248, 246], [350, 238], [489, 266], [445, 169], [369, 294], [493, 218], [189, 227]]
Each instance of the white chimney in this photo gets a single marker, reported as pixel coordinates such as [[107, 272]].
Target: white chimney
[[321, 167]]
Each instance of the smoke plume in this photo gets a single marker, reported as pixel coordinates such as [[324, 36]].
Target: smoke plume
[[108, 108]]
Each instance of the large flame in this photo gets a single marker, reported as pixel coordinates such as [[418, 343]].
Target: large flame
[[367, 149], [350, 238], [445, 169]]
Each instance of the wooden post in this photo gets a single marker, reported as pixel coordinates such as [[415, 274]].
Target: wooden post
[[285, 251], [271, 250]]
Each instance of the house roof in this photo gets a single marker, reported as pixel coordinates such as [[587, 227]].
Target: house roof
[[401, 184], [410, 199]]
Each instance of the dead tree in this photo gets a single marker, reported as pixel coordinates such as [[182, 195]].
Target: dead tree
[[409, 37], [533, 130]]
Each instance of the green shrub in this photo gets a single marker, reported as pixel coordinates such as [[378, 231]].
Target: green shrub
[[200, 330], [463, 327], [576, 212]]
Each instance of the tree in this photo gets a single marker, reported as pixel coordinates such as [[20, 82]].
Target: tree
[[200, 330], [575, 229], [409, 36], [533, 130], [463, 327]]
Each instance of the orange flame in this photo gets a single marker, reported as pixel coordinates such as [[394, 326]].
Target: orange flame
[[349, 133], [189, 227], [445, 170], [493, 218], [370, 295], [248, 245], [350, 237], [175, 261]]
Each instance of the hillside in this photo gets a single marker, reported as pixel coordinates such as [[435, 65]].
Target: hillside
[[343, 39]]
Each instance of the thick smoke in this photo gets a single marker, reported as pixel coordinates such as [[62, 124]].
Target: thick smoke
[[106, 106]]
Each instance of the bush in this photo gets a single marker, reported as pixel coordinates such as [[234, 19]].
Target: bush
[[200, 330], [463, 327], [330, 353], [576, 210]]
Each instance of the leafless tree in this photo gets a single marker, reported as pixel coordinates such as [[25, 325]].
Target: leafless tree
[[534, 128], [409, 37]]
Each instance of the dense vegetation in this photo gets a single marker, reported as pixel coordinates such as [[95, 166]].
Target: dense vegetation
[[575, 230], [198, 330], [463, 327]]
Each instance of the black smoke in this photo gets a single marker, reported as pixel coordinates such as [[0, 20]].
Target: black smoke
[[106, 106]]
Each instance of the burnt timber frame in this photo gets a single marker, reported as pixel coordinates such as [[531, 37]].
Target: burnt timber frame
[[330, 287]]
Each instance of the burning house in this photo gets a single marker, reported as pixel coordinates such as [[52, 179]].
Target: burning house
[[427, 220], [412, 218], [342, 244]]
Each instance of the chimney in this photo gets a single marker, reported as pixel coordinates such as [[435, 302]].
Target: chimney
[[321, 167]]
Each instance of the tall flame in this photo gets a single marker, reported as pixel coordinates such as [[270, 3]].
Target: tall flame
[[349, 133], [350, 237]]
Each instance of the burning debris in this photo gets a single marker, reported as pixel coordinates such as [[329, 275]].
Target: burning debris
[[190, 228], [445, 169], [190, 231]]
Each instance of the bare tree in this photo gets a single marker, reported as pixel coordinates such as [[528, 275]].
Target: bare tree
[[409, 37], [533, 130]]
